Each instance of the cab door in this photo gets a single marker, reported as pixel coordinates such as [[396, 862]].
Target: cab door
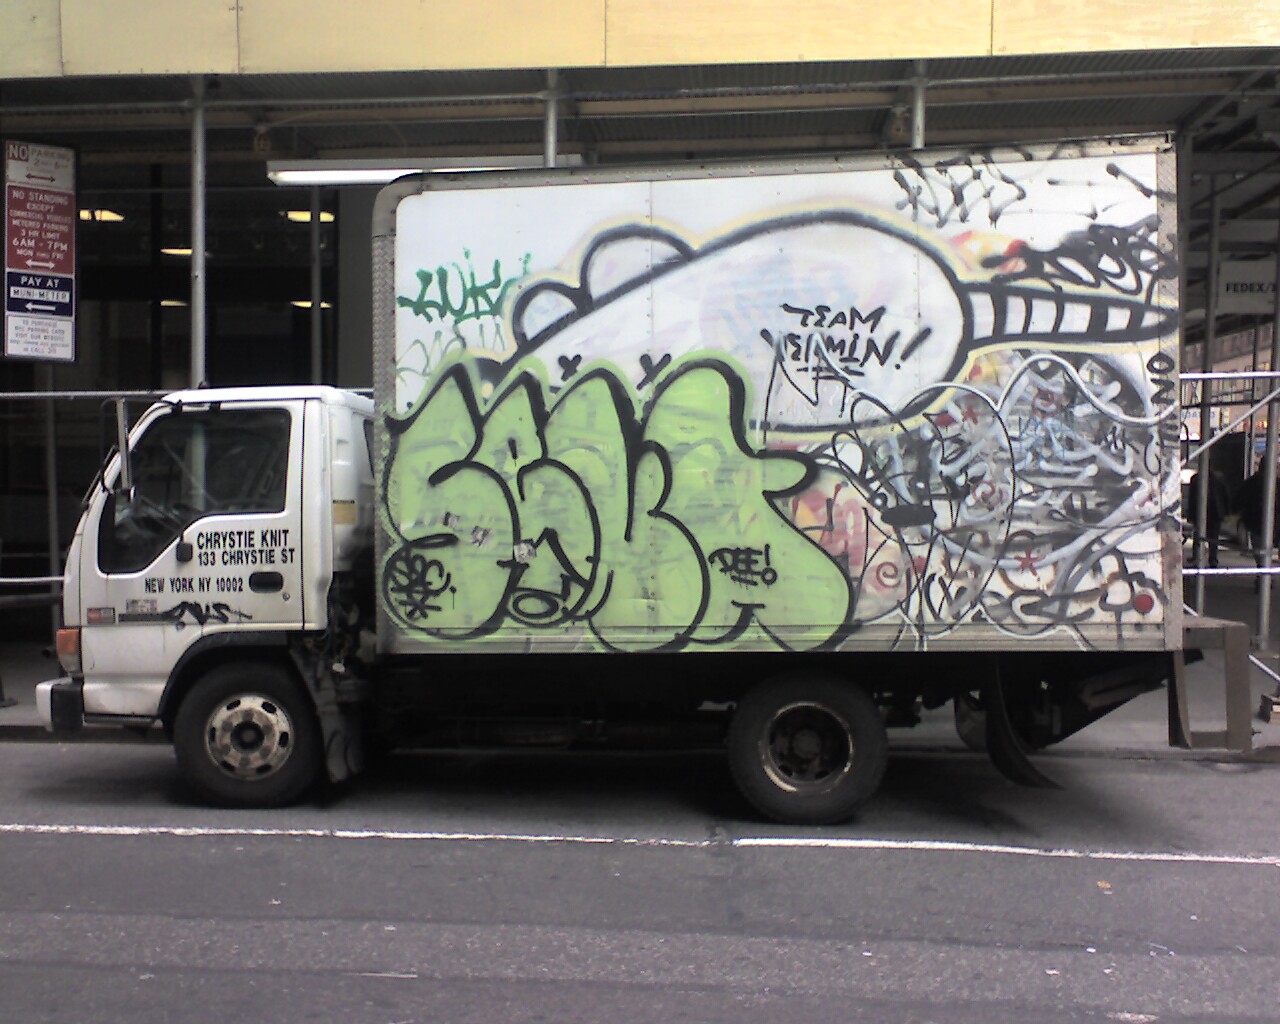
[[205, 540]]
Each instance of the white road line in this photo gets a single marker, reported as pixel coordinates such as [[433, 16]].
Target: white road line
[[197, 832], [940, 846], [746, 842]]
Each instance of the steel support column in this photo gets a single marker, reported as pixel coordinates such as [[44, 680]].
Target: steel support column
[[1248, 467], [551, 117], [198, 213], [1263, 638], [1206, 365], [317, 305], [51, 496], [917, 107]]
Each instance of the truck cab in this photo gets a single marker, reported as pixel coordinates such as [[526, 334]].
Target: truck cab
[[214, 556]]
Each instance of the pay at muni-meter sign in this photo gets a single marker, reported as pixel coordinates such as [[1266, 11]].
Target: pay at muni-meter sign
[[39, 252]]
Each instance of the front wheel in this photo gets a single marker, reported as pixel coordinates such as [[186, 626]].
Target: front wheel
[[246, 736], [807, 751]]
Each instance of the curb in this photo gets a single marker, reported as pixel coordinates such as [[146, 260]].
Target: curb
[[21, 732], [24, 733], [1047, 757]]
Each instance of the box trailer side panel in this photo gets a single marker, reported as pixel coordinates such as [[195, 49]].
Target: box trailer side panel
[[924, 402]]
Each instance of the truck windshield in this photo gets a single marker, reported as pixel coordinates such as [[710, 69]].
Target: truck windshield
[[188, 465]]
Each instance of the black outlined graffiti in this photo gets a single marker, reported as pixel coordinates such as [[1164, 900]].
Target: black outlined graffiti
[[945, 541], [580, 299], [926, 425], [416, 582], [803, 288], [651, 369], [956, 189], [1126, 260], [593, 513], [203, 613], [569, 366], [748, 566]]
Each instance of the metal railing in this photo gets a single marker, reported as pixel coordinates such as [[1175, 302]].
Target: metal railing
[[46, 402], [1264, 544]]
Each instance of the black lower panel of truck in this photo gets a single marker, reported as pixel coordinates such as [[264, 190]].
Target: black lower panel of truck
[[1028, 700]]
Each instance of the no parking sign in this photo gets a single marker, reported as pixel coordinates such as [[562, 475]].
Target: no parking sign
[[39, 252]]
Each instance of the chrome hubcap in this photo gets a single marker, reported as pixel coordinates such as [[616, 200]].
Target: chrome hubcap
[[249, 736], [806, 748]]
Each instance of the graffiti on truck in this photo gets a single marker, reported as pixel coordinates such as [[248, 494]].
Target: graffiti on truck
[[459, 310], [826, 425], [588, 512]]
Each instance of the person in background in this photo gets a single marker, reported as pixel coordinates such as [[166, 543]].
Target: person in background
[[1249, 502], [1219, 505]]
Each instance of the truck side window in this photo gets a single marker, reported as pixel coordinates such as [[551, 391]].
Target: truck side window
[[188, 465]]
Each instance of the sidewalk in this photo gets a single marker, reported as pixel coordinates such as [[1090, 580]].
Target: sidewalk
[[22, 665]]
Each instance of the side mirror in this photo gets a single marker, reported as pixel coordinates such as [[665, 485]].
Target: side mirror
[[102, 472], [122, 446]]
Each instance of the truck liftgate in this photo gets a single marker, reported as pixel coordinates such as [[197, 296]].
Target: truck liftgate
[[1202, 632]]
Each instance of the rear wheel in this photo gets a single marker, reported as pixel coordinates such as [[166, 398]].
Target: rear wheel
[[807, 751], [246, 736], [971, 722]]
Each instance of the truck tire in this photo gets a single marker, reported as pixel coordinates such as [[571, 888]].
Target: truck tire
[[971, 722], [247, 736], [807, 751]]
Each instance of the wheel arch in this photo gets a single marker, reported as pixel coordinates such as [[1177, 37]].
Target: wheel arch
[[213, 651]]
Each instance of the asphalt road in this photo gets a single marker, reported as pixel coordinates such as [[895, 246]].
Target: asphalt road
[[638, 888]]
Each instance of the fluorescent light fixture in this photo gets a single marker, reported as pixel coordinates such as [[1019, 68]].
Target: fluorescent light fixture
[[172, 303], [176, 251], [335, 172], [304, 216], [379, 172], [306, 304], [102, 216]]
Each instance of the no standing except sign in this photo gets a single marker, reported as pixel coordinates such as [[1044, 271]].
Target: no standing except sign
[[39, 252]]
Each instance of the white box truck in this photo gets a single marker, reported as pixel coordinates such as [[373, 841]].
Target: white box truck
[[767, 455]]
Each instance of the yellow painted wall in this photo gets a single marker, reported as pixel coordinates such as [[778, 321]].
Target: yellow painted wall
[[30, 39], [380, 35], [743, 31], [43, 38], [1067, 26], [146, 37]]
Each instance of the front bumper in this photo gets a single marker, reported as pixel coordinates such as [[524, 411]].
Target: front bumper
[[60, 703]]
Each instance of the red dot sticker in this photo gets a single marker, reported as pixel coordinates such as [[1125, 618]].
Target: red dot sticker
[[1144, 603]]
